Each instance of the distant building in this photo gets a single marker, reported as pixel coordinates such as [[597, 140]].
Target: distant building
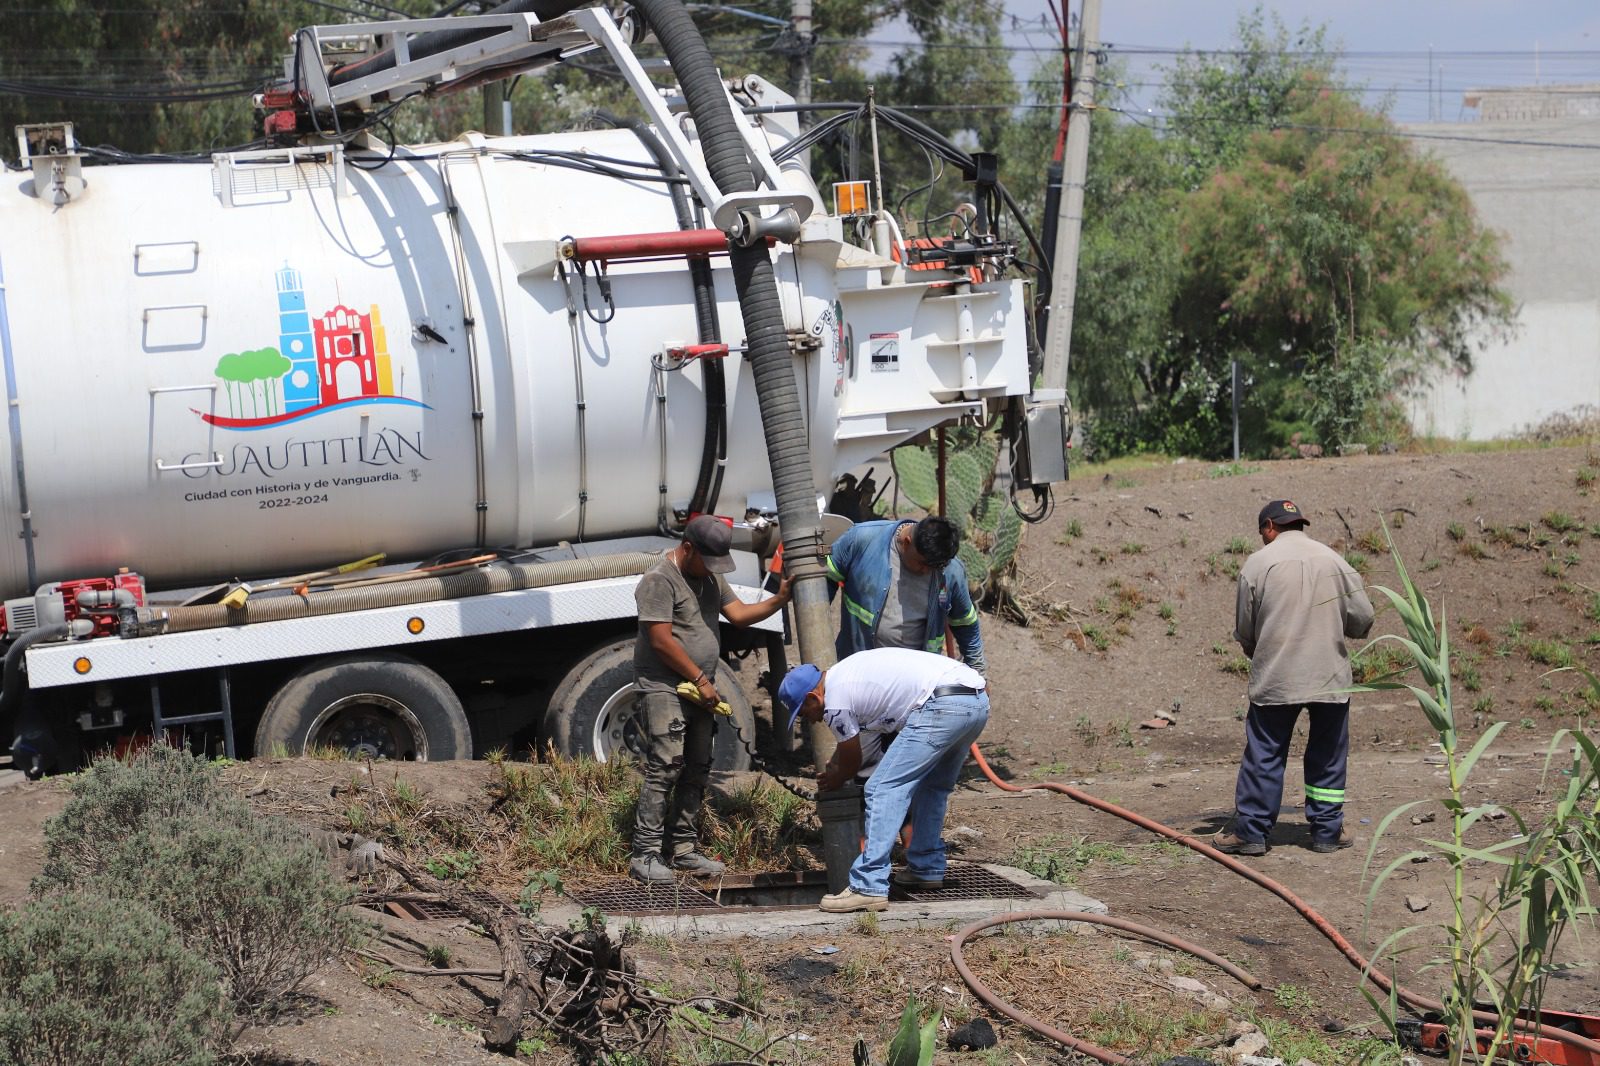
[[1534, 103], [1545, 201]]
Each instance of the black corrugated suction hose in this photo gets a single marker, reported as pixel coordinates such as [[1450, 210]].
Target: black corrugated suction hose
[[783, 417]]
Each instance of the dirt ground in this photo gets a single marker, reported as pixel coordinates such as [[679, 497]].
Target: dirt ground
[[1129, 590]]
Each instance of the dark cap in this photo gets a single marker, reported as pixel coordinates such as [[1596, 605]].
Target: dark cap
[[1281, 513], [713, 539]]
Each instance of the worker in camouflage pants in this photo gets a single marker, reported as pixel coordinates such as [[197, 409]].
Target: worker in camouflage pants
[[676, 654]]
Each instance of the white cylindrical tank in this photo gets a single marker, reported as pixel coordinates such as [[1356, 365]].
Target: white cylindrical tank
[[256, 367]]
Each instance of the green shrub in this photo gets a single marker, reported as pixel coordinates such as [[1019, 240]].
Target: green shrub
[[117, 799], [253, 896], [95, 982]]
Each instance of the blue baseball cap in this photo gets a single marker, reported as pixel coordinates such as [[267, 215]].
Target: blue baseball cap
[[797, 684]]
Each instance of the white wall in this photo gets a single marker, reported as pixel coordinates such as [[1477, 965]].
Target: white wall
[[1545, 201]]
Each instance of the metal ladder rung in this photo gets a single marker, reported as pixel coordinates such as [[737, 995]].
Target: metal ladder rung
[[191, 719], [224, 715]]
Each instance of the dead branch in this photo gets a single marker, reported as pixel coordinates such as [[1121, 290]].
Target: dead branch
[[505, 1027], [428, 971]]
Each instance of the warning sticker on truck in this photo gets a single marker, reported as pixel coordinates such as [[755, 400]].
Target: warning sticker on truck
[[885, 351]]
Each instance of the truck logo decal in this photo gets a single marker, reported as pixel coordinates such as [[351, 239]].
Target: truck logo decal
[[329, 362]]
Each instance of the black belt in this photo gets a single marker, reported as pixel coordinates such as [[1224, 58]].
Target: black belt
[[954, 690]]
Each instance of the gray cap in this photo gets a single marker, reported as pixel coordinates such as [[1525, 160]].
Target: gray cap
[[713, 539]]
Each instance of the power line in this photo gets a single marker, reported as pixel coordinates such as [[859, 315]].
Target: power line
[[128, 94], [1412, 135], [1335, 53]]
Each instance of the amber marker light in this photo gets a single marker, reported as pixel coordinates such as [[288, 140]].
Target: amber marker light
[[82, 664], [415, 625]]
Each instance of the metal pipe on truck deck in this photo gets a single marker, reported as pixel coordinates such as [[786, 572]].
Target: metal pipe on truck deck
[[496, 577]]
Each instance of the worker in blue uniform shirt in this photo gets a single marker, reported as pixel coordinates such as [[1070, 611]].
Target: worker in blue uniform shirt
[[902, 584], [1297, 602]]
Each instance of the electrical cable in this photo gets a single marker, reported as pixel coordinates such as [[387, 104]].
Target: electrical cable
[[1386, 984], [577, 161], [132, 94]]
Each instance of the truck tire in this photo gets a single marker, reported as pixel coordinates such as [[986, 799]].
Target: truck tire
[[592, 711], [379, 705]]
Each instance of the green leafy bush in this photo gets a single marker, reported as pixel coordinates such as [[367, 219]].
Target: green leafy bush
[[253, 896], [91, 981], [116, 799]]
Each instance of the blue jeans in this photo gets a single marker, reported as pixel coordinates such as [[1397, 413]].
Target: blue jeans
[[1258, 795], [917, 773]]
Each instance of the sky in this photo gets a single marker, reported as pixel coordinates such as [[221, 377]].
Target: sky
[[1476, 43]]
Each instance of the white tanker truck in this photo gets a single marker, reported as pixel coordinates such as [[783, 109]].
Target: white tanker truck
[[495, 361]]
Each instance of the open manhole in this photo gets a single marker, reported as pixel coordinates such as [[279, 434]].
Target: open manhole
[[779, 891]]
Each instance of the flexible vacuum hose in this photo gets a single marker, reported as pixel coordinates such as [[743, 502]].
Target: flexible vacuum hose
[[1078, 1044], [33, 747], [782, 414], [715, 449], [15, 666], [1277, 888]]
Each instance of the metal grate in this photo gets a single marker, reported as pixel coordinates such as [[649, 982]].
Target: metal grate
[[631, 897], [424, 910], [965, 880], [421, 910]]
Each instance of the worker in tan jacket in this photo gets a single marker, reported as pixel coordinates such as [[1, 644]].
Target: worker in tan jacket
[[1298, 601]]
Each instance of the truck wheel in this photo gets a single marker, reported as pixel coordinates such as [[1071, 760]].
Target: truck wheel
[[592, 711], [379, 706]]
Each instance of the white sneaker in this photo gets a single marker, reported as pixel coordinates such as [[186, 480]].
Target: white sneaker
[[850, 900]]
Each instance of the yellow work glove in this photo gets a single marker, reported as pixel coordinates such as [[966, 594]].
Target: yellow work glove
[[690, 691]]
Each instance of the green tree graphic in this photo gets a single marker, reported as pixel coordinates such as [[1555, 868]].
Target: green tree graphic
[[262, 370]]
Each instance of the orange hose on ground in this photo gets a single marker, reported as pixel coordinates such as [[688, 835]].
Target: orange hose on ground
[[1318, 922], [1081, 1046]]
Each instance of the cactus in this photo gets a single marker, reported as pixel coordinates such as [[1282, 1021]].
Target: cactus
[[991, 529]]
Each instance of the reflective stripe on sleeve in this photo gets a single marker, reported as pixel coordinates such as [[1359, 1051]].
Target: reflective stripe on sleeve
[[833, 571], [860, 613], [968, 619]]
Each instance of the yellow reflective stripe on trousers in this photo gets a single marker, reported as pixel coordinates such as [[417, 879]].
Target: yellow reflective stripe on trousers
[[1325, 795], [970, 618], [860, 613], [936, 645]]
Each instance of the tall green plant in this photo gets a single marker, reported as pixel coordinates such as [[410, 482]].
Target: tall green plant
[[1501, 942]]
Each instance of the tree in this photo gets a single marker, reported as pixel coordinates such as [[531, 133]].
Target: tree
[[1279, 223], [117, 68], [1343, 257]]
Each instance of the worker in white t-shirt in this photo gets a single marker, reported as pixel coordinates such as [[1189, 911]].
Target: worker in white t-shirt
[[938, 707]]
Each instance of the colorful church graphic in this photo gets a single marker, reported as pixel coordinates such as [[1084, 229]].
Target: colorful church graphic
[[336, 359]]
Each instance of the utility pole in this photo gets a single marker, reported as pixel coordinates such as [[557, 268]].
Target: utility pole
[[1069, 227], [496, 109], [805, 41], [800, 40]]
